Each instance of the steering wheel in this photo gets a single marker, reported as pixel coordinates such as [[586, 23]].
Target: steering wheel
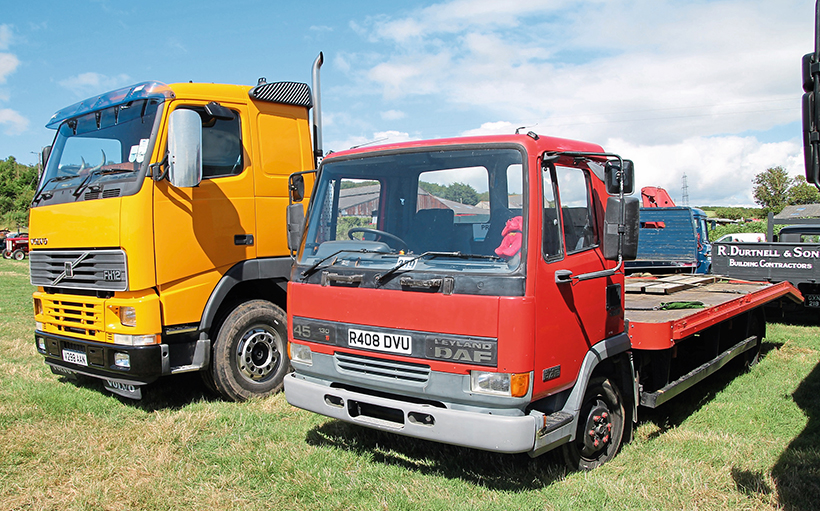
[[401, 245]]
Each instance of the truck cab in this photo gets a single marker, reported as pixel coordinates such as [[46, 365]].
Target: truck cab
[[151, 241], [464, 323]]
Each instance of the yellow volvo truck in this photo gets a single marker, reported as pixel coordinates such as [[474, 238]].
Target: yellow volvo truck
[[157, 234]]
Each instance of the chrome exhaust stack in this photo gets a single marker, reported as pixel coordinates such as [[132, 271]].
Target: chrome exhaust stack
[[317, 110]]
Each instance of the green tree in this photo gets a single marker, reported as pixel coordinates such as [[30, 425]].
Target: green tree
[[456, 192], [771, 189], [802, 192], [434, 189], [17, 184], [463, 193]]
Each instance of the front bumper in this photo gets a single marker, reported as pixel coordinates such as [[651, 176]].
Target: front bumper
[[147, 363], [497, 433]]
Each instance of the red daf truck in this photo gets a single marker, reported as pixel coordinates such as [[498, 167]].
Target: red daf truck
[[505, 325]]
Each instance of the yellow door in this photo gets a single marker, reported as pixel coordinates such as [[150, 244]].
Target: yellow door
[[203, 231]]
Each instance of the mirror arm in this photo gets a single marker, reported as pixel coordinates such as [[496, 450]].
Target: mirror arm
[[160, 169]]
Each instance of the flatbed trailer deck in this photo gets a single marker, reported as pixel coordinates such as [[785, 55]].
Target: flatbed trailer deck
[[662, 312]]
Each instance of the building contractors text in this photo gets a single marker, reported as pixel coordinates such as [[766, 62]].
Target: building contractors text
[[793, 258]]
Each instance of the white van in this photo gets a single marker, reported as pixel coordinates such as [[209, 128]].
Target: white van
[[742, 237]]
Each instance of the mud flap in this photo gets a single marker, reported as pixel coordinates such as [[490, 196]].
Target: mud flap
[[124, 388]]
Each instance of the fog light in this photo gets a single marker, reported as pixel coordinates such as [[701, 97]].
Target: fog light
[[41, 344], [128, 316], [122, 360], [300, 353], [136, 340]]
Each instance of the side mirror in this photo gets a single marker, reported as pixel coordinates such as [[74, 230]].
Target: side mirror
[[296, 187], [296, 224], [613, 175], [811, 139], [627, 208], [184, 148], [217, 111], [44, 154]]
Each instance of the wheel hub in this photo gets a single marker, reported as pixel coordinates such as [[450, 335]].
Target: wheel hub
[[598, 430], [257, 355]]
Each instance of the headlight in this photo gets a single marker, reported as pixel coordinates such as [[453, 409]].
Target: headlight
[[500, 384], [300, 353], [128, 316]]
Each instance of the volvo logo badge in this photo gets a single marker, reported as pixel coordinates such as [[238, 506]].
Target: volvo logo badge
[[68, 272]]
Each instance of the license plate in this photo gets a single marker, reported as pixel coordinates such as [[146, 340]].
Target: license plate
[[812, 300], [390, 342], [75, 357]]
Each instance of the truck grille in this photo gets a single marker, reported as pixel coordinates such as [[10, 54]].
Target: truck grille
[[96, 270], [403, 372], [74, 316]]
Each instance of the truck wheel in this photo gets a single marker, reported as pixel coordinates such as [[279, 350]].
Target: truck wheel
[[600, 427], [250, 356], [6, 254], [18, 255]]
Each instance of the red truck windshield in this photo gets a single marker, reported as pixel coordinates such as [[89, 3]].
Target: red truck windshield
[[461, 210]]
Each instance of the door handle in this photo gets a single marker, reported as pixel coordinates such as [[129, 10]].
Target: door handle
[[563, 276], [243, 239]]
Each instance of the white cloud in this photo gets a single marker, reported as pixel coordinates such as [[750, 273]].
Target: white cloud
[[5, 37], [88, 84], [459, 15], [655, 70], [8, 63], [393, 115], [676, 86], [491, 128], [13, 122], [719, 170], [378, 138]]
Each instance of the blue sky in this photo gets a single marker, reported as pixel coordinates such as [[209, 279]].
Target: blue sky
[[710, 89]]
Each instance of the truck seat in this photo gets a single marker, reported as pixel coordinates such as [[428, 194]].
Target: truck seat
[[433, 229]]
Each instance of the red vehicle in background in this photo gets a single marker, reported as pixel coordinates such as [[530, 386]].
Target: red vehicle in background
[[507, 325], [15, 246]]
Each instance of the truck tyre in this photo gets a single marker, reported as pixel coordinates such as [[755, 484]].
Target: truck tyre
[[600, 427], [18, 255], [250, 356]]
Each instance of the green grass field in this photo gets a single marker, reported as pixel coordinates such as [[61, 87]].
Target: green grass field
[[739, 441]]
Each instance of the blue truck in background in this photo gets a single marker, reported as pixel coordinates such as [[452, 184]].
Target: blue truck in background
[[672, 240]]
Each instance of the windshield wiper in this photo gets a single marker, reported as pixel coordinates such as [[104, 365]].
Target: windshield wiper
[[431, 254], [42, 193], [310, 271], [106, 172], [85, 182]]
